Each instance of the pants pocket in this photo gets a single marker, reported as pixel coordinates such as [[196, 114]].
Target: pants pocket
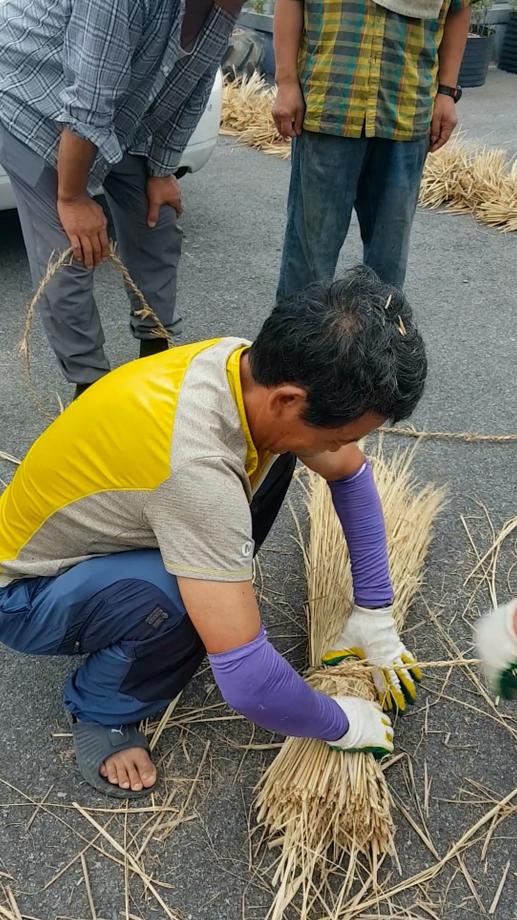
[[163, 664], [14, 615]]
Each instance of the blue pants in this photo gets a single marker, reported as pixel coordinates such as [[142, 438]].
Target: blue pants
[[331, 175], [124, 611]]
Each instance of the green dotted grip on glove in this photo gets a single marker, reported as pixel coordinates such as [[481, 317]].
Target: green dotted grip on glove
[[393, 698], [508, 682], [378, 752], [336, 656]]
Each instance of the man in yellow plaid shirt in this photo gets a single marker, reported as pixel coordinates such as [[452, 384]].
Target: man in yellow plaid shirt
[[366, 88]]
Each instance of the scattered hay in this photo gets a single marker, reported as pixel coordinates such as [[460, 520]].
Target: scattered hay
[[10, 911], [9, 458], [482, 182], [486, 566], [502, 809], [322, 807], [129, 862], [126, 836], [246, 114]]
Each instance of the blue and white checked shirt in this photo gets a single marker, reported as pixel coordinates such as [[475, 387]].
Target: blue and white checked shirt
[[113, 71]]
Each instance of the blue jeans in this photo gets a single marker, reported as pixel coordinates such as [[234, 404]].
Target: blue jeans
[[331, 175], [125, 612]]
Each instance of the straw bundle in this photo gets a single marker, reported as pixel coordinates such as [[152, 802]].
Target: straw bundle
[[480, 182], [321, 806], [247, 105]]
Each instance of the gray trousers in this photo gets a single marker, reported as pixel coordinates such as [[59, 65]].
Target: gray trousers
[[68, 308]]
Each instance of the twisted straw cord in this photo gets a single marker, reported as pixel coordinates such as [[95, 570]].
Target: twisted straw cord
[[469, 436], [66, 258]]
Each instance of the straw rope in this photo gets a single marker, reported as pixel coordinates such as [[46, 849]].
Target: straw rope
[[470, 437], [481, 182], [66, 259]]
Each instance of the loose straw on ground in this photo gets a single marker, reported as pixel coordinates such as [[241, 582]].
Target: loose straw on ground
[[488, 562], [9, 458], [131, 861], [432, 871], [321, 807], [481, 182]]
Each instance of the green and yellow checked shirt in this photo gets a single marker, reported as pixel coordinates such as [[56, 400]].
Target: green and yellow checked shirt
[[367, 71]]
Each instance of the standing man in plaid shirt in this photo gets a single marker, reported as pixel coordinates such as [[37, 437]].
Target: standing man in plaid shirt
[[103, 92], [366, 88]]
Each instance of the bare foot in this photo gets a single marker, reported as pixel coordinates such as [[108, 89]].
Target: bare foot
[[131, 769]]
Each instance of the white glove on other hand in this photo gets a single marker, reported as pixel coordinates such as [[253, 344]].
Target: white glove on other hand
[[372, 634], [369, 730], [496, 637]]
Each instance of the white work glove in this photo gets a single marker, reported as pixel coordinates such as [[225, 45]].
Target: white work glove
[[369, 730], [496, 637], [372, 634]]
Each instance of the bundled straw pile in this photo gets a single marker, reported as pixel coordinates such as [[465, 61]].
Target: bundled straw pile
[[480, 182], [320, 806], [247, 105]]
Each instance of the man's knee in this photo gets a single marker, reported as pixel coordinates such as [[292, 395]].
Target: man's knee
[[163, 663], [134, 610]]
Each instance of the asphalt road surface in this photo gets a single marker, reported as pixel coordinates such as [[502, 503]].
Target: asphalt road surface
[[462, 284]]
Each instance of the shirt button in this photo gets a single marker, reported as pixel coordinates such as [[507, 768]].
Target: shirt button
[[165, 70]]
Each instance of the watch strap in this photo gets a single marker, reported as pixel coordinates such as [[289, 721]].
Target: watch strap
[[454, 92]]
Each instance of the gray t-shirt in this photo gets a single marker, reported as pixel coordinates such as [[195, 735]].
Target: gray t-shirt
[[157, 454]]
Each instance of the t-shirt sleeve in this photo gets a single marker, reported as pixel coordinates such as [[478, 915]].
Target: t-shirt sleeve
[[202, 521]]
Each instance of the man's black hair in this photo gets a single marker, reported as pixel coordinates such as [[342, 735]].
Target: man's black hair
[[352, 345]]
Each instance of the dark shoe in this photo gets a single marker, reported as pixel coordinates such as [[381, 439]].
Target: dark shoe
[[150, 347], [80, 388]]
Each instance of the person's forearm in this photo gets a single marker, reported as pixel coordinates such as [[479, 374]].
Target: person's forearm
[[288, 25], [452, 46], [358, 506], [74, 162], [258, 682]]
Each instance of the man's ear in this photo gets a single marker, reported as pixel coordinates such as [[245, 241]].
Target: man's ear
[[287, 399]]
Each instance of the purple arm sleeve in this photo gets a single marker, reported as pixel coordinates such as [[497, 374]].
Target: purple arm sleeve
[[258, 682], [359, 509]]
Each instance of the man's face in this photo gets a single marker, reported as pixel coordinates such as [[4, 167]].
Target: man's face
[[289, 432]]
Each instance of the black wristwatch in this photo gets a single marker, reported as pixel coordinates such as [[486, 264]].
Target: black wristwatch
[[455, 92]]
